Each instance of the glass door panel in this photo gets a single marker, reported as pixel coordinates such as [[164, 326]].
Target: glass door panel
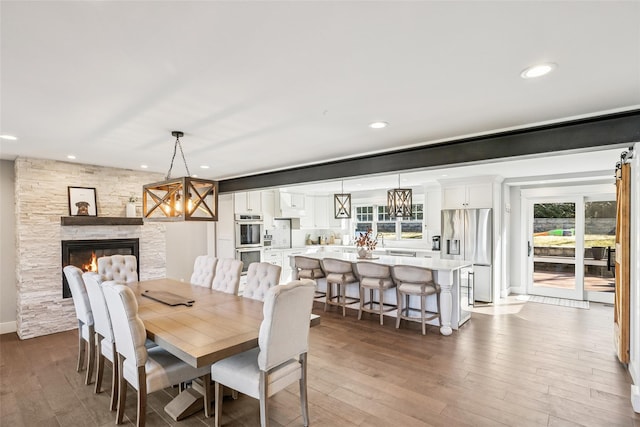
[[599, 252], [554, 250]]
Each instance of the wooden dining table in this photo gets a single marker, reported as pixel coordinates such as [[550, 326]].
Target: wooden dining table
[[215, 326]]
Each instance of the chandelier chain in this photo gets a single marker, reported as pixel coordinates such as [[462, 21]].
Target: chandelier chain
[[175, 149]]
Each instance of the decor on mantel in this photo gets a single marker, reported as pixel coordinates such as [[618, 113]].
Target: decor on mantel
[[366, 243], [342, 203], [180, 199], [131, 206], [82, 201], [399, 202]]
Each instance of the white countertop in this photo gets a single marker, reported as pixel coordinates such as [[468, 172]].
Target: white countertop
[[432, 263]]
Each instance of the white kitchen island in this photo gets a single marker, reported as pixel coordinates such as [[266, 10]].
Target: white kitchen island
[[447, 273]]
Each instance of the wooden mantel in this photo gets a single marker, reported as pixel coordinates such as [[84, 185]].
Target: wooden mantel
[[100, 220]]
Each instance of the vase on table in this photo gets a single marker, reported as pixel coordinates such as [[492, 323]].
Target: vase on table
[[364, 253], [131, 210]]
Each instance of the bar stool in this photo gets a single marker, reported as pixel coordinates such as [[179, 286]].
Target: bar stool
[[310, 268], [374, 277], [339, 273], [416, 281]]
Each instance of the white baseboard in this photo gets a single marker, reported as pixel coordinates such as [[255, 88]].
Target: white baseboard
[[8, 327]]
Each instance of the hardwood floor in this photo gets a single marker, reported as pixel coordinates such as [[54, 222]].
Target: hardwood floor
[[525, 364]]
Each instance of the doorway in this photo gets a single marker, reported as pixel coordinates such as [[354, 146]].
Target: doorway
[[571, 247]]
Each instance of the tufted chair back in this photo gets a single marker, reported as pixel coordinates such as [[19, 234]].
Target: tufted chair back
[[204, 268], [284, 332], [79, 294], [128, 328], [121, 268], [227, 277], [93, 282], [261, 276]]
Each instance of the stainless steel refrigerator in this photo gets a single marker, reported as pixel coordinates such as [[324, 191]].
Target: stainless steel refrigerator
[[467, 234]]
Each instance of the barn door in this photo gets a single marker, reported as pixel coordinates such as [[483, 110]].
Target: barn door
[[621, 314]]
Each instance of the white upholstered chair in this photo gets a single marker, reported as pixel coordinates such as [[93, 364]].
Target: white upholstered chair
[[105, 343], [374, 278], [146, 370], [86, 335], [121, 268], [281, 357], [310, 268], [227, 278], [204, 268], [261, 276], [417, 281]]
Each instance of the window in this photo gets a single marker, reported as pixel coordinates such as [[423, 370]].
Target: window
[[389, 228]]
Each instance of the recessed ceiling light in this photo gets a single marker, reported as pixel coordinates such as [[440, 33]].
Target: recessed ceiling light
[[71, 157], [144, 166], [204, 166], [378, 125], [538, 70], [8, 137]]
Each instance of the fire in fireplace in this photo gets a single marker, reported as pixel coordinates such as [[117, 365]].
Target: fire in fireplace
[[84, 254]]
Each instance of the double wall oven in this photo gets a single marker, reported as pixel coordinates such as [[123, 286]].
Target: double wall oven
[[249, 239]]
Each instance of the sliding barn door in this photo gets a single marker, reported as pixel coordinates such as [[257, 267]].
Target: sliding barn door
[[621, 315]]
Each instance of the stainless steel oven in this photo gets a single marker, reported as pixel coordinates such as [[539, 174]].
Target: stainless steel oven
[[249, 231], [247, 256]]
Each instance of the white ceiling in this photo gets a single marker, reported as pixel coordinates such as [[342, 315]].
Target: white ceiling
[[260, 86]]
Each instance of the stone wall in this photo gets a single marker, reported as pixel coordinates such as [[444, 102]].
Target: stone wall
[[41, 199]]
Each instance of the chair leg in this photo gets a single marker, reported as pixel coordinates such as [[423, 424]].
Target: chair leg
[[142, 397], [327, 298], [361, 303], [381, 297], [99, 365], [264, 404], [304, 403], [218, 404], [80, 348], [206, 383], [343, 292], [91, 357], [422, 314], [114, 378], [122, 391]]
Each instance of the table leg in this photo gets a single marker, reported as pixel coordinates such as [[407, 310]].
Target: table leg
[[446, 302]]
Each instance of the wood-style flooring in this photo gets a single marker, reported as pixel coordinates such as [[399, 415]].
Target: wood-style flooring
[[524, 365]]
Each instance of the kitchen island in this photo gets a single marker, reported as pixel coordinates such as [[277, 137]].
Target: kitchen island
[[447, 273]]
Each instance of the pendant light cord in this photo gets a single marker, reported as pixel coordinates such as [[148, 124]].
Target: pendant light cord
[[175, 148]]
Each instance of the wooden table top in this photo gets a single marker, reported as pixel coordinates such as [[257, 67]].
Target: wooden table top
[[218, 325]]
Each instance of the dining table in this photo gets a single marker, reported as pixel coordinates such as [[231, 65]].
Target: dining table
[[198, 325]]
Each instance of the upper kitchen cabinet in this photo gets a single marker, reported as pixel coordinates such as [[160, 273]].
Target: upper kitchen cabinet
[[478, 193], [323, 214], [291, 204], [247, 202], [269, 210]]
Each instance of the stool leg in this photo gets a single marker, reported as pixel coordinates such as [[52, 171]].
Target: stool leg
[[328, 296], [422, 314], [361, 303], [381, 304], [343, 289], [399, 310]]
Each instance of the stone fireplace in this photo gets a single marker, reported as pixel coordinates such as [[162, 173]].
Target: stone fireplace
[[84, 253]]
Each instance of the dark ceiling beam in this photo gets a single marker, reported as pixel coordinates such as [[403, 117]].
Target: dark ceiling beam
[[581, 134]]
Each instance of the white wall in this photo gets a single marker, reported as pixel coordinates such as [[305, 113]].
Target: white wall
[[7, 249], [185, 241]]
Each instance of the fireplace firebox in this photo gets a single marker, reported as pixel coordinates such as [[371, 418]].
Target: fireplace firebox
[[84, 253]]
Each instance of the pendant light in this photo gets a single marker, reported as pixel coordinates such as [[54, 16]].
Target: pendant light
[[399, 202], [180, 199], [342, 203]]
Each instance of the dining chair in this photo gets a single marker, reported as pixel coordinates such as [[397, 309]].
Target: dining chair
[[261, 276], [340, 274], [281, 356], [146, 370], [227, 277], [85, 319], [121, 268], [204, 268], [374, 278], [105, 343], [310, 268], [415, 281]]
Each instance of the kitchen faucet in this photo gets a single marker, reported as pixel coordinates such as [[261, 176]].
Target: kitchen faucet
[[381, 236]]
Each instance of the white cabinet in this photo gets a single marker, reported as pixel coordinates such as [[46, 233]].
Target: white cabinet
[[247, 202], [292, 201], [272, 256], [269, 209], [323, 213], [307, 218], [460, 196]]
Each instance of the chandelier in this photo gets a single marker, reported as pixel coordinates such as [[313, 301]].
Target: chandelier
[[342, 203], [180, 199], [399, 202]]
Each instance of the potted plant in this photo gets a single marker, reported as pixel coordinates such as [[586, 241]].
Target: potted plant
[[131, 206]]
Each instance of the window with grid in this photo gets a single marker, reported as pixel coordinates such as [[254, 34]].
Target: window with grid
[[390, 228], [411, 228], [364, 219]]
